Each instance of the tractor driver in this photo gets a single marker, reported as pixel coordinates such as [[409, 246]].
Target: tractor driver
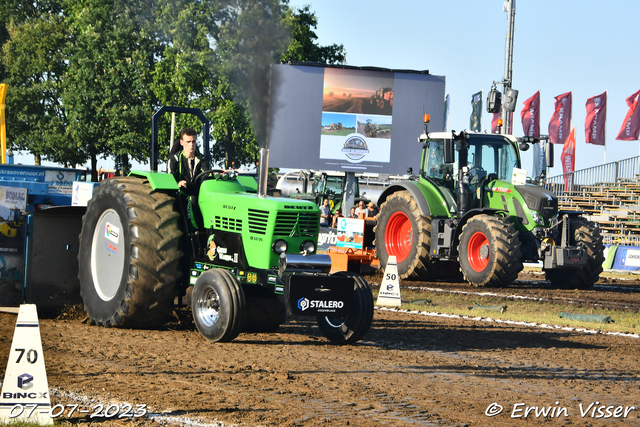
[[185, 164]]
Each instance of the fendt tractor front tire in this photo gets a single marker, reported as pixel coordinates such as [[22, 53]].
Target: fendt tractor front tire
[[489, 251], [354, 326], [587, 234], [218, 305], [402, 231], [129, 256]]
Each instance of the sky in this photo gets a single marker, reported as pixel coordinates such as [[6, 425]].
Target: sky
[[583, 46], [586, 47]]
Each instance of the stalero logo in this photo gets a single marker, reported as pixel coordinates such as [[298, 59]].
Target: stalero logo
[[327, 306], [303, 304]]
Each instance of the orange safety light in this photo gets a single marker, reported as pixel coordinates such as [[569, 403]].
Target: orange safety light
[[427, 118], [499, 122]]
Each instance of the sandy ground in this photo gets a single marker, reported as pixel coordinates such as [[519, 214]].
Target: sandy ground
[[410, 370]]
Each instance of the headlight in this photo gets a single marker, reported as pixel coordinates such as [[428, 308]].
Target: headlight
[[537, 218], [307, 247], [279, 246]]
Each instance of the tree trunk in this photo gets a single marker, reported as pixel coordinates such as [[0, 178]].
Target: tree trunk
[[126, 167], [94, 168], [37, 159], [229, 151]]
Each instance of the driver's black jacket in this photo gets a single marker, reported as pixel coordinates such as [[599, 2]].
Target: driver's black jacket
[[180, 168]]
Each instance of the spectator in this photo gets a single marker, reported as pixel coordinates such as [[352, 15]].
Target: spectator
[[361, 209], [336, 217], [325, 213], [372, 211], [352, 213]]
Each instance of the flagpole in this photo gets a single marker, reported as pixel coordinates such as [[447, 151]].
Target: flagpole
[[604, 160]]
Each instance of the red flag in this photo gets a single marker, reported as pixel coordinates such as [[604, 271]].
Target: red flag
[[631, 125], [596, 116], [561, 119], [530, 115], [568, 159]]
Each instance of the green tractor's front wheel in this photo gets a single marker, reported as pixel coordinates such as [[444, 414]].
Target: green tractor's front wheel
[[351, 328], [489, 251], [129, 256], [585, 233], [218, 305], [403, 232]]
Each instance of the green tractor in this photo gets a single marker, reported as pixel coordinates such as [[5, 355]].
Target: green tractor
[[467, 208], [251, 262]]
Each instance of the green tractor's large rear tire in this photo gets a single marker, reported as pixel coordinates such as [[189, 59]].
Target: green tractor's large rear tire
[[129, 256], [354, 326], [402, 231], [489, 251], [586, 233]]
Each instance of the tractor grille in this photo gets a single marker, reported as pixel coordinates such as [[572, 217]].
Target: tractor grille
[[230, 224], [295, 224], [258, 221]]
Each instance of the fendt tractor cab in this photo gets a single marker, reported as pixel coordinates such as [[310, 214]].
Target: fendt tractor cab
[[472, 206], [251, 262]]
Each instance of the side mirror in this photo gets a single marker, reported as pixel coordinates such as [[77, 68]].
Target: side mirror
[[524, 146], [449, 151], [549, 155]]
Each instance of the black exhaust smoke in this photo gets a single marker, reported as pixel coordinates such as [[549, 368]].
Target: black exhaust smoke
[[260, 38]]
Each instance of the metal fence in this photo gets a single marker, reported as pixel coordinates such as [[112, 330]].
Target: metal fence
[[609, 174]]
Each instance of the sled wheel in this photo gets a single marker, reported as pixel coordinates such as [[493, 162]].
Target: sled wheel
[[218, 305], [129, 256], [489, 251], [401, 231], [351, 328], [586, 233]]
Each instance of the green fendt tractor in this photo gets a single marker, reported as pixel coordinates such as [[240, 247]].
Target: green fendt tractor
[[466, 208], [251, 261]]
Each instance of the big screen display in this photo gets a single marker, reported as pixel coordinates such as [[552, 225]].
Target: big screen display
[[350, 119]]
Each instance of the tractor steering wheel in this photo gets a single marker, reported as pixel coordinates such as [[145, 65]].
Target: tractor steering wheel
[[202, 175]]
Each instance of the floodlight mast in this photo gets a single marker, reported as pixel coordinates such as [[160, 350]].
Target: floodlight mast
[[508, 62]]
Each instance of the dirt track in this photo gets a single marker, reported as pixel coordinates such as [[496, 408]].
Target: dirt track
[[410, 370]]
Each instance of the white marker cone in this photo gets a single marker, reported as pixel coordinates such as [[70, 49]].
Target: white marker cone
[[389, 294], [25, 390]]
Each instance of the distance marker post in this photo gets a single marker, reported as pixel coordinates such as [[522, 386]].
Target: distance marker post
[[25, 390]]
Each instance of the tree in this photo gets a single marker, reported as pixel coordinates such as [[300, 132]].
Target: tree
[[35, 64], [303, 47], [87, 75], [106, 87]]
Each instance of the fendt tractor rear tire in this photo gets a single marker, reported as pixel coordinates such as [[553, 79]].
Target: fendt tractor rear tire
[[129, 256], [402, 231], [354, 326], [586, 233], [218, 305], [489, 251]]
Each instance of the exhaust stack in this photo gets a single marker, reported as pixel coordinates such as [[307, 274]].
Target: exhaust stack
[[263, 171]]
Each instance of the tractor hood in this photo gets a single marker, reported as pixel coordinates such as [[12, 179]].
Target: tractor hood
[[539, 199]]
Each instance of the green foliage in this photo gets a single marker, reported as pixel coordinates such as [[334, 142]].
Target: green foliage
[[303, 47], [106, 85], [85, 76], [35, 63]]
